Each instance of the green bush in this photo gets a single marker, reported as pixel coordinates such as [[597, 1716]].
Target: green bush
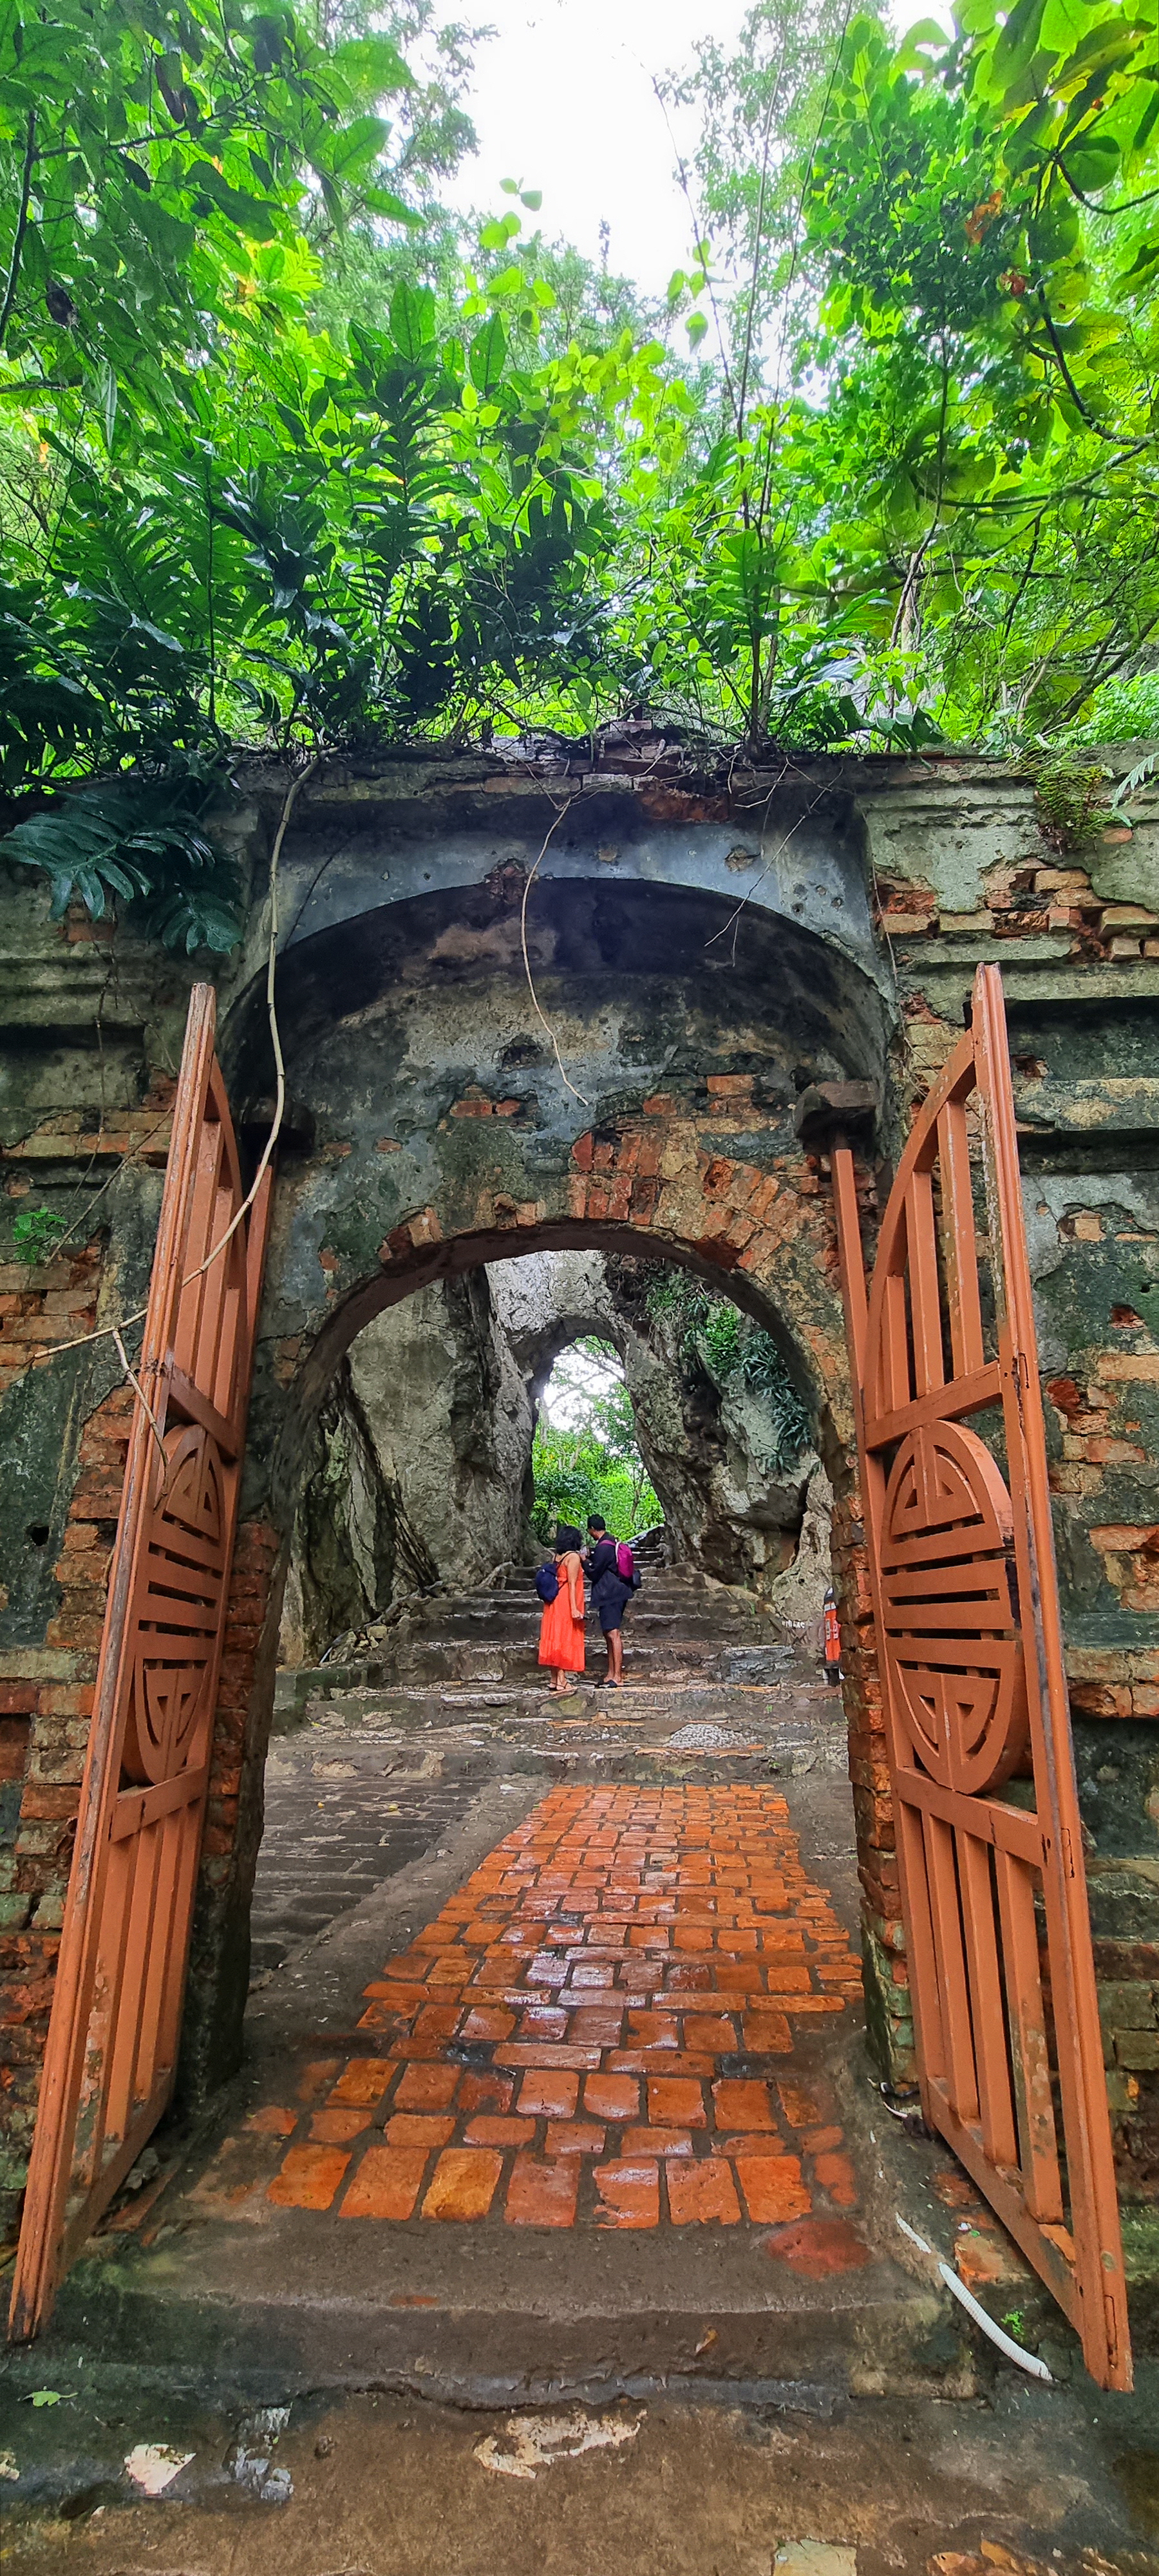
[[575, 1474], [36, 1234]]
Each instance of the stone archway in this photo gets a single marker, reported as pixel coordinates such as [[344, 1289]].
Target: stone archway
[[434, 1127], [422, 1084]]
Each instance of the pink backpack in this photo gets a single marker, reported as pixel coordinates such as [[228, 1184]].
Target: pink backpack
[[625, 1562]]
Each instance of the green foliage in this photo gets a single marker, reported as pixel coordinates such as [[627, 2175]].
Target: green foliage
[[988, 297], [149, 158], [36, 1233], [289, 456], [1071, 800], [575, 1475], [927, 442], [261, 480], [144, 844], [595, 1464], [735, 1353]]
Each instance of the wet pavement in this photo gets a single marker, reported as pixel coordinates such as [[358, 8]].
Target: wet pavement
[[605, 2024], [609, 2020], [1031, 2482], [340, 1819], [558, 2005]]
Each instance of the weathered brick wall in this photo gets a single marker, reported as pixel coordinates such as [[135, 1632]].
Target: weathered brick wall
[[47, 1686]]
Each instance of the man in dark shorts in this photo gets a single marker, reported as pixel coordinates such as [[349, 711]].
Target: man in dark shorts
[[610, 1594]]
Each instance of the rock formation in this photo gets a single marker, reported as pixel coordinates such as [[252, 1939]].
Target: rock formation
[[421, 1469]]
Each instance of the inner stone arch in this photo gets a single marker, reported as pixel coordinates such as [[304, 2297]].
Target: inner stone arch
[[420, 1467]]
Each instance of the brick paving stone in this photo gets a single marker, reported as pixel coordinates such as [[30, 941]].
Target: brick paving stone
[[836, 2176], [542, 2193], [423, 2129], [364, 2080], [337, 2127], [573, 2138], [317, 2079], [773, 2189], [488, 2132], [742, 2104], [309, 2177], [386, 2184], [486, 2093], [629, 2195], [556, 2094], [819, 2247], [464, 2183], [701, 2192], [618, 1962], [272, 2121], [427, 2088], [612, 2097]]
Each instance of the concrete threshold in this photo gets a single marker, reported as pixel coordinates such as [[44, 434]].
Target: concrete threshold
[[480, 2324]]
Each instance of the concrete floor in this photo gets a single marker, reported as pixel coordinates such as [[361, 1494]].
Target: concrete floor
[[1035, 2482]]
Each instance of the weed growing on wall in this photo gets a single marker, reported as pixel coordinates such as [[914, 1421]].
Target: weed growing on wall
[[735, 1353]]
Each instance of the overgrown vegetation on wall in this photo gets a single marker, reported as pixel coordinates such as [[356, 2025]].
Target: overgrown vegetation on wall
[[735, 1353], [290, 456]]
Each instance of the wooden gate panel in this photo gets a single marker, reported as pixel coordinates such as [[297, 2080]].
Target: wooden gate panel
[[969, 1641], [116, 2017]]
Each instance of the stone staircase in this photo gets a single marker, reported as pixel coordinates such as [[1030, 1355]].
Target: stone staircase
[[681, 1631]]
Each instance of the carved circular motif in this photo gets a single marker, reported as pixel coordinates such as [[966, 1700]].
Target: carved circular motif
[[177, 1609], [953, 1646]]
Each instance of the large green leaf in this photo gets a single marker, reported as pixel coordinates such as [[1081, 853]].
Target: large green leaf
[[488, 352]]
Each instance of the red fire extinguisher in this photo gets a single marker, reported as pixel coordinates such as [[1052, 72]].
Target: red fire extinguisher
[[832, 1639]]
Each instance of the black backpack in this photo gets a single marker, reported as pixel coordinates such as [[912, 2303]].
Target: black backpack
[[547, 1584]]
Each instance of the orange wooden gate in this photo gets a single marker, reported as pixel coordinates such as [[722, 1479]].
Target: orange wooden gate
[[969, 1641], [116, 2015]]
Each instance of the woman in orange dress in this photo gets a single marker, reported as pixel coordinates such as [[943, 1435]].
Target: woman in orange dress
[[561, 1629]]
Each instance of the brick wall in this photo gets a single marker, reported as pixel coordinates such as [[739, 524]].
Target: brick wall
[[46, 1697]]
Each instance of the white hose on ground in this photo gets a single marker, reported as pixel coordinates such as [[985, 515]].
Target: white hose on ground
[[1028, 2361]]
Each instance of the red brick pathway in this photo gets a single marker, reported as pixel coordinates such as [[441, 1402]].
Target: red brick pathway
[[582, 2034]]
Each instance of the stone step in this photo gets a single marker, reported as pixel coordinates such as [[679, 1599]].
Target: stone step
[[522, 1627], [676, 1600], [429, 1659], [576, 2319], [300, 1689], [680, 1628], [349, 1699]]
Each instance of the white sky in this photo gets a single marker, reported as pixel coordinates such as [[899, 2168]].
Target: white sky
[[563, 101], [576, 1377]]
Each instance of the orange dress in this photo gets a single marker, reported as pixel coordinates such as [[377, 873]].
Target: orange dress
[[561, 1638]]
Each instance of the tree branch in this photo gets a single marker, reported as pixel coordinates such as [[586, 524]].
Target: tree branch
[[21, 226], [1113, 436]]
